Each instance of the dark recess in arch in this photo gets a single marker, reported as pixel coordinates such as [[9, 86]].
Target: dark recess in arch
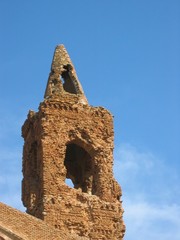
[[79, 166]]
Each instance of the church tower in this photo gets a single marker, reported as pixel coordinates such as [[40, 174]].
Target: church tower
[[69, 139]]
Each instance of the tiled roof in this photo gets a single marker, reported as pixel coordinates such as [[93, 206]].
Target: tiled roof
[[17, 225]]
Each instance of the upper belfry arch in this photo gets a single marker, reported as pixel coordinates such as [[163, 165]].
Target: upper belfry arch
[[63, 79]]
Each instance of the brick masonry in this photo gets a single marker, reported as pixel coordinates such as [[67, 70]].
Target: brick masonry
[[69, 139]]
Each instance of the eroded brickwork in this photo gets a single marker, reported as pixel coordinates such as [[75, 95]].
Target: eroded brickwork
[[67, 138]]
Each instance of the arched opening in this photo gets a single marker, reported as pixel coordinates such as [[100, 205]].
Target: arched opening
[[79, 166], [67, 81]]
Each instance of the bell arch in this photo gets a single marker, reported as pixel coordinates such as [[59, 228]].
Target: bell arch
[[79, 167]]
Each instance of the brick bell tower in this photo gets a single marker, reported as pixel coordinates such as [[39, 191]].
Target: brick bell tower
[[69, 139]]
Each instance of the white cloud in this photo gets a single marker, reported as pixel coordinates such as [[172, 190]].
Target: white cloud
[[128, 159], [143, 173], [148, 221], [150, 195]]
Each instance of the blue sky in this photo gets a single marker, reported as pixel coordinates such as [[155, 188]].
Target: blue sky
[[127, 57]]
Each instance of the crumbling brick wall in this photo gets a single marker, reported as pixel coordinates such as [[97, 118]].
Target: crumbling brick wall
[[67, 138]]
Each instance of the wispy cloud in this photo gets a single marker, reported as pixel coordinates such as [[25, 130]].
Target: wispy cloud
[[150, 194], [151, 221]]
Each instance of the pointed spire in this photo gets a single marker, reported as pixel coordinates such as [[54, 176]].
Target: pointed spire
[[63, 79]]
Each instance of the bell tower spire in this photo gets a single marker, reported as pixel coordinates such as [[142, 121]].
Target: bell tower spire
[[63, 81], [67, 139]]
